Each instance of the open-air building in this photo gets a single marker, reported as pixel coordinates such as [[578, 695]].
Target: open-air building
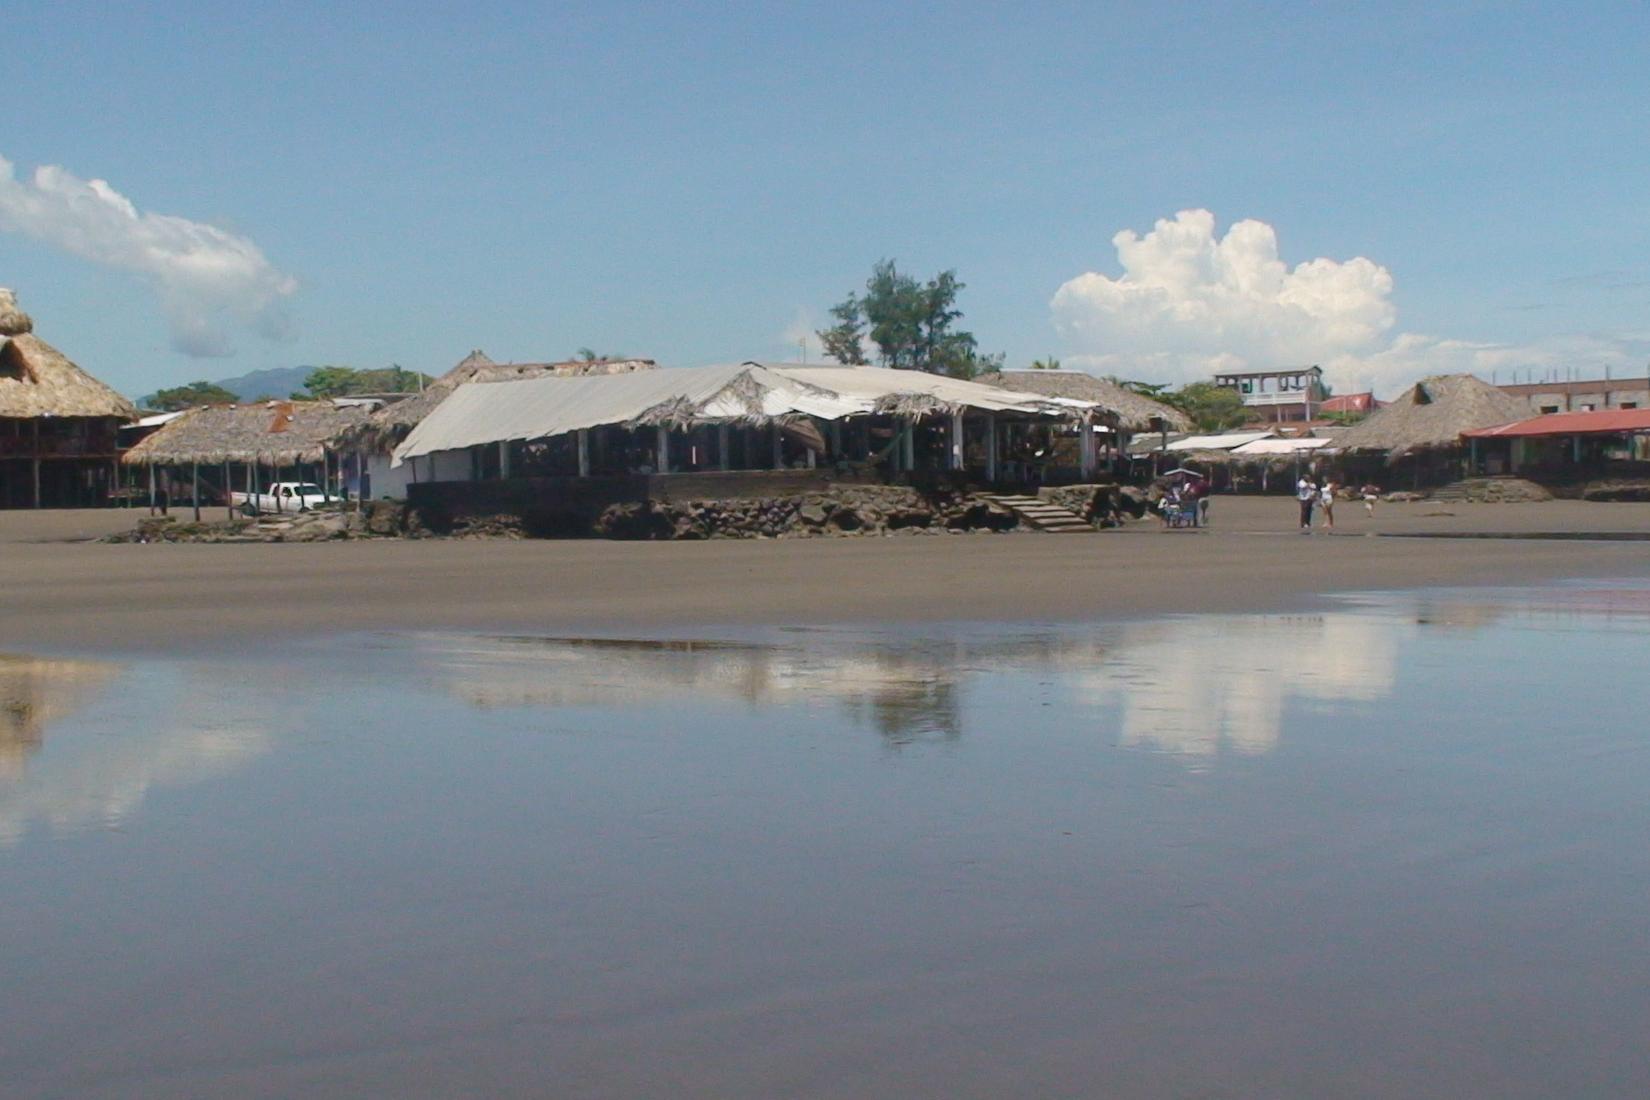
[[211, 451], [1565, 446], [1417, 439], [58, 424], [636, 435], [1119, 414], [376, 437]]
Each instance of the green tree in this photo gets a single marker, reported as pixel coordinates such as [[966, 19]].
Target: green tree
[[187, 397], [1211, 408], [325, 382], [1050, 363], [911, 323], [845, 340]]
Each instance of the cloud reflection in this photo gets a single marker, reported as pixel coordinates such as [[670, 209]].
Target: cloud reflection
[[1197, 686], [68, 774]]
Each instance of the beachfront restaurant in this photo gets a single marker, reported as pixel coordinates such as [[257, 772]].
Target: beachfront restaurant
[[744, 429], [207, 455], [1563, 446]]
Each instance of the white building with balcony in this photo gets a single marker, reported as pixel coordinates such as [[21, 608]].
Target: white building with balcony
[[1277, 395]]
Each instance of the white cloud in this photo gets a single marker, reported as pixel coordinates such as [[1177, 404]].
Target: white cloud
[[210, 282], [1190, 303]]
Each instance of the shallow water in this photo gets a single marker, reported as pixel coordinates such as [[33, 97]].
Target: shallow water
[[1395, 848]]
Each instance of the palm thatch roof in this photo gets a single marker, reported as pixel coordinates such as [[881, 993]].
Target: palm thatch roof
[[273, 432], [1432, 414], [38, 380], [1132, 410], [391, 424]]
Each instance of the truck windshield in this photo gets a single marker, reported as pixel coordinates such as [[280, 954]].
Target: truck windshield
[[308, 490]]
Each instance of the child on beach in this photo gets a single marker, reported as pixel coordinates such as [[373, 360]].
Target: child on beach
[[1370, 493]]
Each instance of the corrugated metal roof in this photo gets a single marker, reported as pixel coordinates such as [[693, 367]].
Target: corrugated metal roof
[[1224, 442], [1599, 422], [1280, 446]]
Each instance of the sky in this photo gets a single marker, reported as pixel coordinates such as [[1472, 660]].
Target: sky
[[1155, 191]]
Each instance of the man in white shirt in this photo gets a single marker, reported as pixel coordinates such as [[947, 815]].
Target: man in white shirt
[[1307, 494]]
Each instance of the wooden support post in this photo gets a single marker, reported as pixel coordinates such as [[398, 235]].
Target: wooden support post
[[151, 488], [956, 433], [504, 459], [662, 463], [1087, 449], [991, 448], [908, 446], [836, 441], [583, 437], [724, 438], [195, 490], [228, 497], [778, 448]]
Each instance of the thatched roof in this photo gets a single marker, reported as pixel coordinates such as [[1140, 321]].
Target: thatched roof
[[270, 432], [1432, 414], [1132, 410], [38, 380], [390, 425]]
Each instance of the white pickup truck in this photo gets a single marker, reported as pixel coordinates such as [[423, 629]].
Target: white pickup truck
[[282, 496]]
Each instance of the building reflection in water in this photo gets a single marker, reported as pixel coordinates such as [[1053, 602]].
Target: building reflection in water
[[907, 691], [68, 774], [1187, 686]]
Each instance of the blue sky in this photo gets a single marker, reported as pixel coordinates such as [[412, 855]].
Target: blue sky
[[693, 182]]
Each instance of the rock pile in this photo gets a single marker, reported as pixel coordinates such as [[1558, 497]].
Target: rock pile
[[375, 519], [857, 510]]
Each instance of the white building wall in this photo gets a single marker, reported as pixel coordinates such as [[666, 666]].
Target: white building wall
[[392, 482]]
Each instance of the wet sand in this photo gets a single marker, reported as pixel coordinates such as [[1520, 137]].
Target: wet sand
[[59, 595]]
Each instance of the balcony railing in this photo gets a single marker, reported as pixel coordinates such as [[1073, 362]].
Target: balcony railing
[[1289, 397]]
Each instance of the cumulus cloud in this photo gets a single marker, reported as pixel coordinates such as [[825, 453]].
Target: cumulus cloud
[[1190, 303], [211, 283]]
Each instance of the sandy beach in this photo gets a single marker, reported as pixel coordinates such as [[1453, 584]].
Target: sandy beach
[[61, 592]]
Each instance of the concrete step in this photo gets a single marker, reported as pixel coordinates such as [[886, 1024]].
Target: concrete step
[[1043, 516]]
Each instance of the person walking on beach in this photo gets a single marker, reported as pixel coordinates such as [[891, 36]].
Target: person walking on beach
[[1307, 493], [1371, 493], [1326, 499]]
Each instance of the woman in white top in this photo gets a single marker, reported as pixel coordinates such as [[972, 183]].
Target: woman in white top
[[1326, 500]]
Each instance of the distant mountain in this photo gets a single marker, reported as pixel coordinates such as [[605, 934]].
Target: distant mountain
[[280, 382]]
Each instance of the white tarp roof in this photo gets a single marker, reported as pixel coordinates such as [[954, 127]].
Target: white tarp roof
[[478, 413], [870, 384], [1224, 442], [1279, 446]]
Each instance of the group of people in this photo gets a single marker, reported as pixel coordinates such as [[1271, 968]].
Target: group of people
[[1185, 502], [1320, 496]]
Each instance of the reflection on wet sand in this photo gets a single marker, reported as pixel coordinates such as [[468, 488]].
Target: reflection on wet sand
[[35, 693], [906, 691], [1192, 686], [1184, 686], [76, 778]]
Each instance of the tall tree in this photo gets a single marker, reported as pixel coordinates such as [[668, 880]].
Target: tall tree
[[911, 323], [845, 340]]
